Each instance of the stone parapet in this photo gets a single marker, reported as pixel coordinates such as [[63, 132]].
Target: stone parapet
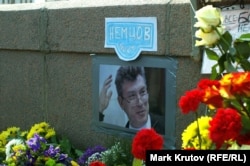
[[46, 70], [78, 26]]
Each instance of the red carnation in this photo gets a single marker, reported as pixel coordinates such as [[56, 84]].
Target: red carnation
[[207, 83], [213, 98], [97, 163], [225, 125], [191, 100], [146, 139], [243, 139]]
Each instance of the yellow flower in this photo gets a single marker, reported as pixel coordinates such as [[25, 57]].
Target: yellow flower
[[11, 132], [19, 149], [235, 84], [43, 125], [43, 129], [226, 86], [73, 163], [24, 133], [190, 137], [3, 138], [208, 17], [51, 132]]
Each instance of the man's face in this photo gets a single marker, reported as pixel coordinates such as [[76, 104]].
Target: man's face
[[135, 101]]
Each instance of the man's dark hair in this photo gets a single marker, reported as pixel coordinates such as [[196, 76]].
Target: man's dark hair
[[127, 73]]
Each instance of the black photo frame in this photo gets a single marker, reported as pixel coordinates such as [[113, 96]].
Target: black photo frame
[[161, 81]]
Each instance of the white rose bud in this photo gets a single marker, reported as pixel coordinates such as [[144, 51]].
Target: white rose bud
[[208, 17]]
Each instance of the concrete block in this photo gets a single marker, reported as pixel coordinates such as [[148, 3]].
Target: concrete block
[[21, 89], [78, 26]]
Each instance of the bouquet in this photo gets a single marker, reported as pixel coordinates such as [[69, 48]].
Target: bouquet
[[41, 146], [230, 55], [228, 118], [38, 146], [226, 125]]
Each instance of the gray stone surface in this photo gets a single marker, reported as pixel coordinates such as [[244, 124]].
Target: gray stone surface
[[19, 29], [21, 88], [78, 27], [45, 67]]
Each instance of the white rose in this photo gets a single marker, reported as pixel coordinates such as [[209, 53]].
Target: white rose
[[208, 17], [208, 39]]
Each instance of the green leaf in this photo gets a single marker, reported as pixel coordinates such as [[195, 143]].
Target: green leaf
[[244, 37], [78, 152], [245, 122], [245, 64], [60, 164], [229, 67], [243, 49], [53, 139], [235, 103], [225, 41], [228, 37], [65, 145], [50, 162], [247, 104], [214, 72], [211, 54], [221, 63], [243, 54]]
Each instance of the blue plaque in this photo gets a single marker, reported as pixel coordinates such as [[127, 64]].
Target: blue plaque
[[130, 36]]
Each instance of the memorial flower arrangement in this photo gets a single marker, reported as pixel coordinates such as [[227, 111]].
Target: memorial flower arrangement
[[116, 155], [226, 125], [38, 146], [41, 146]]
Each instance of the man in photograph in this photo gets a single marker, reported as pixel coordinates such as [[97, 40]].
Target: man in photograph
[[133, 98]]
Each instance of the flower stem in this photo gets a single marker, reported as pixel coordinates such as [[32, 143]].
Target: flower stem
[[198, 129], [221, 50], [221, 37]]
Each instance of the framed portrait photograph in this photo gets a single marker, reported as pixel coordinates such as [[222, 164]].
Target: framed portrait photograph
[[131, 95]]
